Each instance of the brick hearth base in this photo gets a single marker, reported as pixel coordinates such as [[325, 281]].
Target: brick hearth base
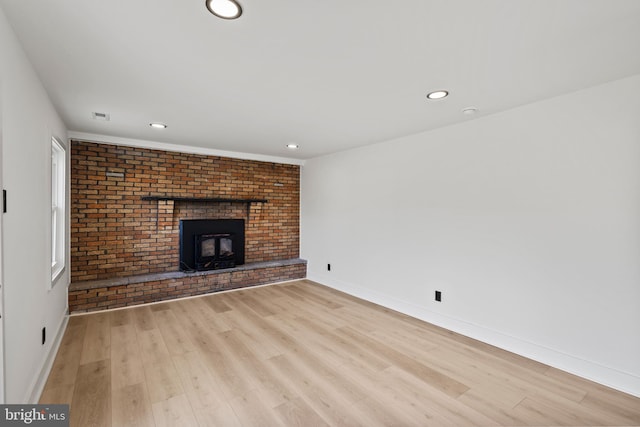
[[133, 290]]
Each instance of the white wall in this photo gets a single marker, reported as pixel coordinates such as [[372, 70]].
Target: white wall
[[29, 122], [528, 221]]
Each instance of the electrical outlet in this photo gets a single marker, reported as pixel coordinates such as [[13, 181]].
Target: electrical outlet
[[44, 335], [438, 296], [328, 267]]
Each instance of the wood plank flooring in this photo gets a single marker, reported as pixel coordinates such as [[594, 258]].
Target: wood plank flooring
[[300, 354]]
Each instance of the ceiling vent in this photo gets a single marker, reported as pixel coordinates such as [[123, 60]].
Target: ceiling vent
[[100, 116]]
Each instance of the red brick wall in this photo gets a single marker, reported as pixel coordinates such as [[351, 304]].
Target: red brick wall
[[114, 233]]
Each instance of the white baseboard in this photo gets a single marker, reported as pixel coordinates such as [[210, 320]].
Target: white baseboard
[[610, 377], [35, 391]]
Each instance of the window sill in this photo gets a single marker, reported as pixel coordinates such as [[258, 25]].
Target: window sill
[[56, 274]]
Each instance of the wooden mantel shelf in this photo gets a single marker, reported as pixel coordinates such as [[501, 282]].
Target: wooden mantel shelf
[[204, 199]]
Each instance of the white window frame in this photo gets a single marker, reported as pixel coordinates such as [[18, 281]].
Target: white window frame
[[58, 209]]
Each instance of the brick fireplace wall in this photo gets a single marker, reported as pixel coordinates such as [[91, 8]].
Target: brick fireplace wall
[[114, 233]]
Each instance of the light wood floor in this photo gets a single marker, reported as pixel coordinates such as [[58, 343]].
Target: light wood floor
[[302, 354]]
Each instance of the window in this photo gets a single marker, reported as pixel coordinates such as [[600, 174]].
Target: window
[[58, 202]]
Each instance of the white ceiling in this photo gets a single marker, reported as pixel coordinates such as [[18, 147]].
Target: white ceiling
[[328, 75]]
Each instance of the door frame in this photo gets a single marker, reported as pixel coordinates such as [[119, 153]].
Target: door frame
[[2, 384]]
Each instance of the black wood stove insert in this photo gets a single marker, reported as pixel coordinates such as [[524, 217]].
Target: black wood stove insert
[[211, 244]]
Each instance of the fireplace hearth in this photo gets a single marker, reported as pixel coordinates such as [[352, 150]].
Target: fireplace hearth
[[211, 244]]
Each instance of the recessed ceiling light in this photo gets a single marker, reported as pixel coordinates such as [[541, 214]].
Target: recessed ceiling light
[[158, 125], [438, 94], [293, 146], [225, 9]]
